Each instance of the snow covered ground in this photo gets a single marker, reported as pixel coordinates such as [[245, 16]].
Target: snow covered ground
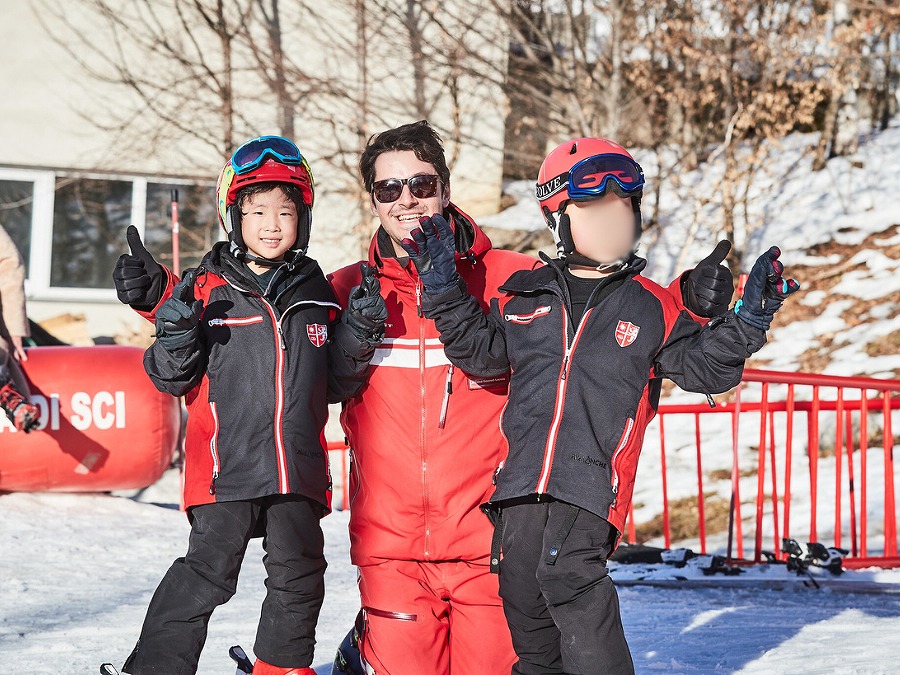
[[77, 571]]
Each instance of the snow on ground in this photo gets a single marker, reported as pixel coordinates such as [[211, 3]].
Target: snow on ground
[[77, 571]]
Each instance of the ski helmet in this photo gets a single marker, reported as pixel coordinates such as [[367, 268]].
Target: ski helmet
[[584, 169], [267, 159]]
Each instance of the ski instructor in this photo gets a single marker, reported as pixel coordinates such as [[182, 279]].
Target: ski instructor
[[424, 436]]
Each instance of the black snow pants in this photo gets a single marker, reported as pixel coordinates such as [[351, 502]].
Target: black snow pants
[[560, 603], [174, 629]]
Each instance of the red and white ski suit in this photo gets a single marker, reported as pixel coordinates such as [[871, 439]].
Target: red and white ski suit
[[425, 441]]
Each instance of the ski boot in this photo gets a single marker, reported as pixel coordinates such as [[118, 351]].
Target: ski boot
[[348, 660], [24, 415], [244, 665]]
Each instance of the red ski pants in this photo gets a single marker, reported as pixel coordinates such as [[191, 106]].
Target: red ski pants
[[442, 618]]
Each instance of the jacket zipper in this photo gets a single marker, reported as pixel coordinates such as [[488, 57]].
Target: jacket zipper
[[422, 444], [561, 386], [446, 402], [615, 472], [280, 347], [214, 448]]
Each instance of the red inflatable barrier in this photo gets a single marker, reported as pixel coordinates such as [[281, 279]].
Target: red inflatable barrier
[[104, 426]]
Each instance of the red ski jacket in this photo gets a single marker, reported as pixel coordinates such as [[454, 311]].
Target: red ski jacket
[[424, 436]]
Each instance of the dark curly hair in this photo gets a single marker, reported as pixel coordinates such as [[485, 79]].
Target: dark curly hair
[[420, 137]]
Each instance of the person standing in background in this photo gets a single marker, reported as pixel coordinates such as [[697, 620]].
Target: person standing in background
[[14, 392]]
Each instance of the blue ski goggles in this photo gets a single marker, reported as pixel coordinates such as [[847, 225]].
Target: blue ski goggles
[[592, 177], [252, 154]]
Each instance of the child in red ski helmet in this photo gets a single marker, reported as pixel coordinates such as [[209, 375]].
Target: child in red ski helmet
[[586, 340], [251, 339]]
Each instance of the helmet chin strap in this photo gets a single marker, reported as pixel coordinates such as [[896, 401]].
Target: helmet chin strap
[[245, 256], [583, 261]]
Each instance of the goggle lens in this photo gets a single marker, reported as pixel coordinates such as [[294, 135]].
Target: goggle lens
[[589, 179], [422, 186], [252, 154]]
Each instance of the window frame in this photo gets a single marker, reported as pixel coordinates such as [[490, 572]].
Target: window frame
[[37, 281]]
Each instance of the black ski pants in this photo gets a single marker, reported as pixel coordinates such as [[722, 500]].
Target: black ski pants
[[560, 603], [174, 629]]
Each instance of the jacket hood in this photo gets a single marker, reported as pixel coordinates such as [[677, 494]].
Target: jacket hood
[[471, 243]]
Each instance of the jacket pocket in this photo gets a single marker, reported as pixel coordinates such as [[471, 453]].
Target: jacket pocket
[[214, 447], [354, 476], [623, 443]]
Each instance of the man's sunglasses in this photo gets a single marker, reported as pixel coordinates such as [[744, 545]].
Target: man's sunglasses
[[422, 186]]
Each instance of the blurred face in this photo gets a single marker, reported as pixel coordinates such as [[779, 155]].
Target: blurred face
[[401, 216], [602, 229], [268, 225]]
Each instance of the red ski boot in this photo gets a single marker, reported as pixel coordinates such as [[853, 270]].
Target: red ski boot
[[263, 668], [24, 415]]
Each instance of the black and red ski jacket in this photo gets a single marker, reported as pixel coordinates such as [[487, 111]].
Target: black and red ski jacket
[[257, 381], [582, 392]]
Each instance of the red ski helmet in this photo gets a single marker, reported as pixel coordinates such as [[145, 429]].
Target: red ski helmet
[[583, 169], [267, 159]]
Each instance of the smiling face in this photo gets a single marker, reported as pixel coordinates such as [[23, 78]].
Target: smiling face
[[401, 216], [268, 225]]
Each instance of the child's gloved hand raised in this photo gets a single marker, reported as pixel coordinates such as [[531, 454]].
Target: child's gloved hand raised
[[764, 290], [366, 310], [138, 278], [432, 248], [708, 288], [179, 317]]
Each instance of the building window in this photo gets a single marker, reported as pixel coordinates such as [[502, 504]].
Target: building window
[[16, 207], [70, 227], [198, 225], [89, 219]]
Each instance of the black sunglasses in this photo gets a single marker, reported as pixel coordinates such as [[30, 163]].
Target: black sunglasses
[[422, 186]]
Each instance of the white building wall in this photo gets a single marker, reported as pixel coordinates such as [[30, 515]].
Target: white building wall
[[43, 127]]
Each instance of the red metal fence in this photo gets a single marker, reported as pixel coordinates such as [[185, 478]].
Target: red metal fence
[[790, 416], [798, 459]]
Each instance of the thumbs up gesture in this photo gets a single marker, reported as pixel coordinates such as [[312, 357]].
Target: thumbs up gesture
[[708, 288], [178, 320], [139, 279], [366, 309]]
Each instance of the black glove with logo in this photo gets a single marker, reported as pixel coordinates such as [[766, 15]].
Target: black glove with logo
[[764, 290], [178, 320], [708, 288], [139, 279], [366, 310], [432, 248]]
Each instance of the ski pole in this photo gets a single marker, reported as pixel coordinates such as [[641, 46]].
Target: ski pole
[[176, 263]]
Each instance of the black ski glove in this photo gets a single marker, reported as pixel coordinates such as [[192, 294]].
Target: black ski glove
[[178, 320], [708, 288], [366, 311], [764, 290], [139, 279], [432, 249]]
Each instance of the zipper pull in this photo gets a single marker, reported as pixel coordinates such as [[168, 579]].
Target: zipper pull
[[565, 366], [419, 299], [281, 338], [712, 404], [446, 402]]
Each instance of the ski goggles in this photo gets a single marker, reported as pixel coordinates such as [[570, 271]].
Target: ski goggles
[[422, 186], [592, 177], [252, 154]]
